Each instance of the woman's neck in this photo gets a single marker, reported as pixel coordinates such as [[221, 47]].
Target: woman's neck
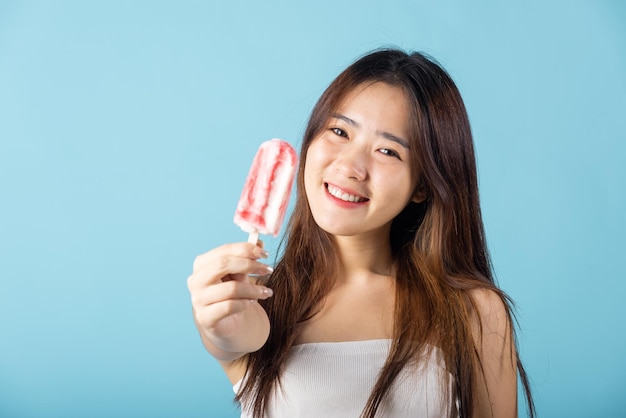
[[361, 257]]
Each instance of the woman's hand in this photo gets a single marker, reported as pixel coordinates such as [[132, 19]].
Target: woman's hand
[[224, 297]]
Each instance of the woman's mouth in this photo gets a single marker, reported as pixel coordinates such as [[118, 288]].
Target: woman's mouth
[[343, 195]]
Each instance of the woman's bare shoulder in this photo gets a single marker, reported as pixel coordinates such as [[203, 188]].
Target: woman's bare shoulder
[[496, 392], [492, 311]]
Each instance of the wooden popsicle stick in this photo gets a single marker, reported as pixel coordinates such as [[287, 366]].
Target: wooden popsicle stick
[[253, 238]]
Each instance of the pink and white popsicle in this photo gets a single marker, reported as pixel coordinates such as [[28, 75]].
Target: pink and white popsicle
[[263, 202]]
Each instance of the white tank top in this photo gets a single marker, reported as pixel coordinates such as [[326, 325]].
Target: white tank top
[[335, 380]]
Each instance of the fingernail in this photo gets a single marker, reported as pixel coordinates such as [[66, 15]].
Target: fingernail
[[268, 292], [260, 252], [269, 268]]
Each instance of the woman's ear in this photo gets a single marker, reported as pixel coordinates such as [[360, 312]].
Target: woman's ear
[[420, 193], [419, 197]]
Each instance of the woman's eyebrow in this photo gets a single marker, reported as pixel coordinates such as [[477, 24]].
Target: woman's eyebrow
[[386, 135], [404, 143]]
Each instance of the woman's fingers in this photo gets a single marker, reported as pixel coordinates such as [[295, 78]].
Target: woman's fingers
[[216, 307], [239, 249], [222, 315], [231, 290], [224, 268]]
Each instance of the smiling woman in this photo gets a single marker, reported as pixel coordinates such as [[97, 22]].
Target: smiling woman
[[383, 303]]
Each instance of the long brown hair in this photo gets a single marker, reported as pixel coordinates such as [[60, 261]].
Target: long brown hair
[[438, 245]]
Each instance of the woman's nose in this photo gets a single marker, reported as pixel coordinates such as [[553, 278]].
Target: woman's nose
[[352, 162]]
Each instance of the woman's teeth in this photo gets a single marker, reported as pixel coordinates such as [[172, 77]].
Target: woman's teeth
[[340, 194]]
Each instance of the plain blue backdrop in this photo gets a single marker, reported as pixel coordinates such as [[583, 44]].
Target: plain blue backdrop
[[127, 130]]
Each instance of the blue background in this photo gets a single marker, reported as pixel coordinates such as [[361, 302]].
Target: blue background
[[127, 130]]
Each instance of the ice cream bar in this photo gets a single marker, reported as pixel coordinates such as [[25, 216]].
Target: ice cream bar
[[265, 195]]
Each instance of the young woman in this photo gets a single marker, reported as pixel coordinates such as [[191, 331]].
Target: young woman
[[383, 303]]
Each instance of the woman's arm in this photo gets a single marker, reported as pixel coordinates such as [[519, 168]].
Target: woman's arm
[[230, 321], [496, 391]]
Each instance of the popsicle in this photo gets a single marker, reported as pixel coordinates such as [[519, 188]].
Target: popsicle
[[263, 202]]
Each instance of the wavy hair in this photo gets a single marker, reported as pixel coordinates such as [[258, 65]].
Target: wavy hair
[[438, 246]]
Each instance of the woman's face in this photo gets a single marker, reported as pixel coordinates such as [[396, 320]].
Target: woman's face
[[358, 170]]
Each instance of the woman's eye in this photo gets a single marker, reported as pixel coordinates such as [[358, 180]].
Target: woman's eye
[[390, 152], [339, 132]]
